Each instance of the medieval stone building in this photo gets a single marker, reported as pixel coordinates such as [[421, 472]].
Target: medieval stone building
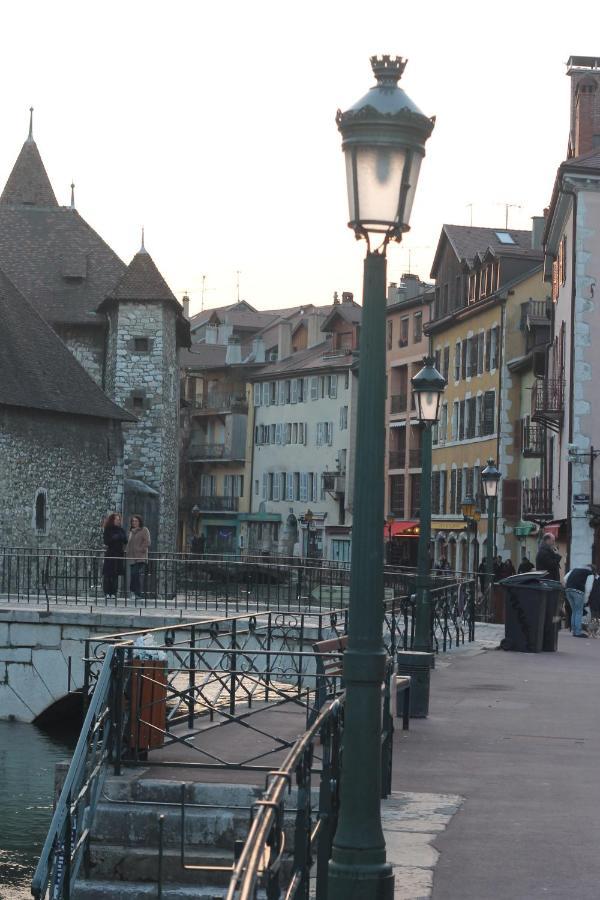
[[100, 431]]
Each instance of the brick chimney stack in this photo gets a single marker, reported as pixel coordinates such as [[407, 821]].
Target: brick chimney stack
[[584, 132]]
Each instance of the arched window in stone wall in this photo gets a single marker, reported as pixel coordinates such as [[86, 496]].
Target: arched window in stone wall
[[40, 511]]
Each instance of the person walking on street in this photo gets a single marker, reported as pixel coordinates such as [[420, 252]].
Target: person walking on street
[[137, 555], [115, 540], [548, 559], [507, 569], [482, 572], [578, 587], [525, 566]]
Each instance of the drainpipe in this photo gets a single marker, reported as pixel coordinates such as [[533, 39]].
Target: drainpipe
[[572, 194]]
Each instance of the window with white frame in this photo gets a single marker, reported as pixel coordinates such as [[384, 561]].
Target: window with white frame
[[303, 487], [289, 492], [314, 388], [343, 418], [257, 394]]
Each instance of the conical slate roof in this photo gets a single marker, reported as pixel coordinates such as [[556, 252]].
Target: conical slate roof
[[142, 281], [28, 183], [38, 371]]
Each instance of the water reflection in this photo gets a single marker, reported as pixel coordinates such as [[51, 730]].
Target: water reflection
[[27, 759]]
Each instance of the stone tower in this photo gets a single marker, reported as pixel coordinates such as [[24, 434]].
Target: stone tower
[[145, 328]]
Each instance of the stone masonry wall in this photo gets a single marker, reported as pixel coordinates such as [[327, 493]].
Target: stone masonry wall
[[152, 375], [87, 346], [76, 461]]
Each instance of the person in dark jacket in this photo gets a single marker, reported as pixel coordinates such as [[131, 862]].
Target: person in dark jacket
[[578, 587], [115, 540], [547, 558], [525, 566], [482, 571], [507, 569]]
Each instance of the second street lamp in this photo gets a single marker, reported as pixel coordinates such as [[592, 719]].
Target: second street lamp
[[490, 478], [383, 139], [428, 386]]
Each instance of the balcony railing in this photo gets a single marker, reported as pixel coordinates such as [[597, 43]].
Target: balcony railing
[[537, 503], [214, 402], [396, 459], [208, 451], [206, 503], [398, 403], [547, 401], [533, 440]]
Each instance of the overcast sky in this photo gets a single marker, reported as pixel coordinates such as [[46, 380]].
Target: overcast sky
[[212, 124]]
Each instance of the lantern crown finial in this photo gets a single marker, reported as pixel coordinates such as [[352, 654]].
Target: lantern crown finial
[[388, 69]]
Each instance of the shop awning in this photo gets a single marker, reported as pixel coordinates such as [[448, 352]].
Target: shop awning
[[446, 525], [402, 529]]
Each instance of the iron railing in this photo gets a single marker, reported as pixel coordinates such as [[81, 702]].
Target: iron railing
[[208, 451], [219, 401], [537, 502], [67, 840], [547, 398], [397, 459], [211, 503], [533, 440]]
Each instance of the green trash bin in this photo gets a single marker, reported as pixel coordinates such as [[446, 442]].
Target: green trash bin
[[532, 619], [418, 665]]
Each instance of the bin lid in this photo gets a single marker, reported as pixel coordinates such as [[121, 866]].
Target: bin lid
[[536, 580]]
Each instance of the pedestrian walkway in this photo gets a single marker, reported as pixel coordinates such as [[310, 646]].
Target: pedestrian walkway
[[513, 739]]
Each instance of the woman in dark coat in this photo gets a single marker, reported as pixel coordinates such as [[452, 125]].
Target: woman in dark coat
[[115, 540]]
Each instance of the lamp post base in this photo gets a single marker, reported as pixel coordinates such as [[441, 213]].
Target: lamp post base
[[418, 665], [360, 881]]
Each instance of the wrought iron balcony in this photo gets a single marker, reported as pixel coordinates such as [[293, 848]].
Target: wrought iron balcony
[[537, 503], [547, 401], [208, 451], [533, 440], [398, 403], [219, 402], [207, 503]]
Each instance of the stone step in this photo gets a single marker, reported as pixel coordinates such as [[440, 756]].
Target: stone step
[[140, 864], [131, 786], [107, 890]]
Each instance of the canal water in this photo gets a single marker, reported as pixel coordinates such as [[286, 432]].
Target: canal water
[[27, 758]]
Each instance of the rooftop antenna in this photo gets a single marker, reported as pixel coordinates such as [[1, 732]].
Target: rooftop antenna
[[30, 137], [72, 195], [470, 208], [238, 273], [143, 248], [203, 289], [508, 206]]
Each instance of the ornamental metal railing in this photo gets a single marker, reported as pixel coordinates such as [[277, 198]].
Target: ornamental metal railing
[[183, 583]]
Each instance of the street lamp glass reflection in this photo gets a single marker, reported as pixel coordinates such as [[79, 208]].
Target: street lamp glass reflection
[[490, 478]]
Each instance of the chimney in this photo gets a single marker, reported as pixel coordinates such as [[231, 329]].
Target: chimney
[[211, 333], [347, 297], [411, 284], [234, 351], [313, 324], [537, 231], [258, 349], [225, 332], [584, 134], [186, 306], [284, 340], [336, 299]]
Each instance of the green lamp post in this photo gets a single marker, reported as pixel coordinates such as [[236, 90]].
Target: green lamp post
[[383, 139], [428, 386], [490, 477]]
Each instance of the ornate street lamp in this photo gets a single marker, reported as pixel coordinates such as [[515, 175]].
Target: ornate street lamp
[[427, 386], [383, 139], [490, 477]]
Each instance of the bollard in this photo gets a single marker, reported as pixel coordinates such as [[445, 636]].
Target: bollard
[[418, 665]]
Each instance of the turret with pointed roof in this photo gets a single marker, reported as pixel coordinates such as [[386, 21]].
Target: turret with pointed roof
[[28, 183]]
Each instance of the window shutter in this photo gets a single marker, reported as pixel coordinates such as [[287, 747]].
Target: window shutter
[[266, 394], [464, 359], [488, 349], [265, 485], [511, 499], [457, 361], [303, 487], [453, 491], [333, 387], [290, 486], [319, 434], [305, 441], [294, 397], [480, 352], [489, 399], [305, 389], [459, 490], [257, 394], [330, 433]]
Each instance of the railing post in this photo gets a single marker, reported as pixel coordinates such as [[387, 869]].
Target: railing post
[[232, 667], [192, 678]]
